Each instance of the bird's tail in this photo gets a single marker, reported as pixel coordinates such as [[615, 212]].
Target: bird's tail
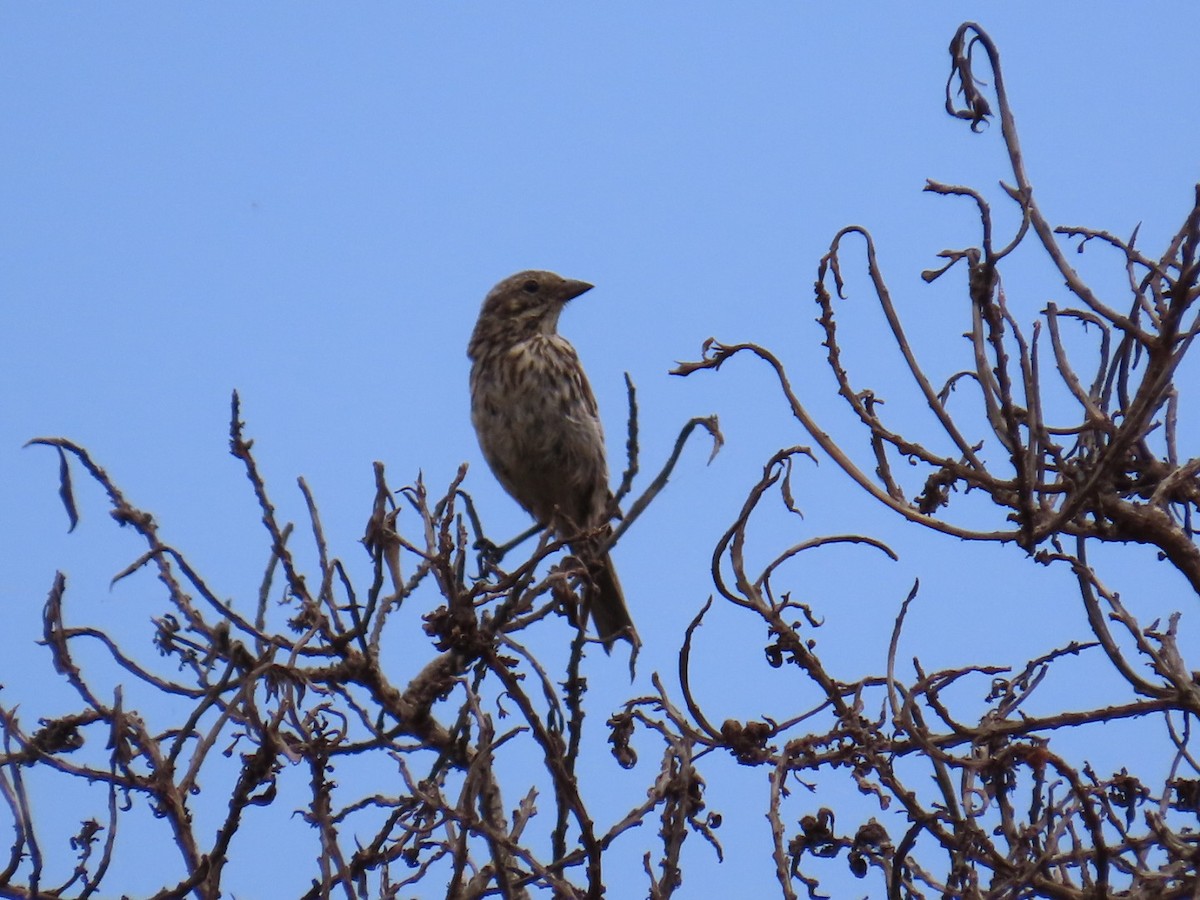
[[605, 601]]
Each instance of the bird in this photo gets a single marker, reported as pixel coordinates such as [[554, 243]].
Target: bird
[[539, 428]]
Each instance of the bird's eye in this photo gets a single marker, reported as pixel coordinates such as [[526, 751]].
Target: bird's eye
[[530, 287]]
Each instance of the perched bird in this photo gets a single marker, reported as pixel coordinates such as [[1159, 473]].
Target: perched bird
[[536, 419]]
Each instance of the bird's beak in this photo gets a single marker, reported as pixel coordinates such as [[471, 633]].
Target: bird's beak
[[572, 289]]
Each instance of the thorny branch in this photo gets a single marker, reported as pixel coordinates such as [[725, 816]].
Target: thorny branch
[[1009, 816], [299, 679]]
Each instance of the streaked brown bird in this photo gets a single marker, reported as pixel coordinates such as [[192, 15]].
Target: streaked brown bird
[[539, 428]]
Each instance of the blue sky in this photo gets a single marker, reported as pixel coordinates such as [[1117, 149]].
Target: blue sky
[[308, 202]]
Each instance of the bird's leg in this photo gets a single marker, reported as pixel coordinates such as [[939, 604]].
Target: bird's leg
[[494, 553]]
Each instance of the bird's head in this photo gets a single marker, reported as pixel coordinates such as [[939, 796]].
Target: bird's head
[[523, 305]]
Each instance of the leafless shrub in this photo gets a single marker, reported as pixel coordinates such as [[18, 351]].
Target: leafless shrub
[[994, 810], [314, 693]]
